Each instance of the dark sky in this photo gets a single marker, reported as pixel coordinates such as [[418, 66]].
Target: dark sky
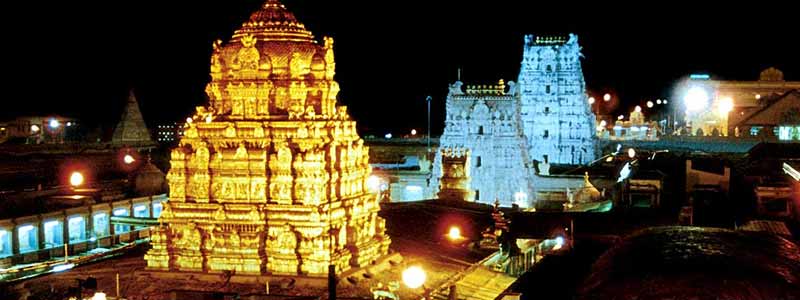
[[78, 59]]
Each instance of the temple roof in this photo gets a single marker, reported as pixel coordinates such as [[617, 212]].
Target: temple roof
[[274, 22]]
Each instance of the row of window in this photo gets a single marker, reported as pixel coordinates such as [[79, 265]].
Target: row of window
[[28, 235]]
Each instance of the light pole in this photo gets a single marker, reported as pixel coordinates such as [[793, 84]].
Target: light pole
[[428, 100]]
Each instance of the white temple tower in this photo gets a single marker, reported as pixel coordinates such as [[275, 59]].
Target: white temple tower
[[557, 120]]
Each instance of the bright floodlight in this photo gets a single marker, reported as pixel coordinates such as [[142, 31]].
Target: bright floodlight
[[34, 128], [725, 106], [638, 109], [454, 234], [607, 97], [373, 183], [696, 99], [76, 179], [414, 277], [650, 103], [591, 100], [413, 132], [631, 153], [54, 123], [128, 159], [388, 135]]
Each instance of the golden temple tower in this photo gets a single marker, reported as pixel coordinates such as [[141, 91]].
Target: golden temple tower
[[270, 177]]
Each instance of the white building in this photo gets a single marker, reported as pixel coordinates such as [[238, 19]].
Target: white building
[[546, 117]]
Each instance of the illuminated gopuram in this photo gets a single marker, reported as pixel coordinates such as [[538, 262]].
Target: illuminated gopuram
[[270, 177]]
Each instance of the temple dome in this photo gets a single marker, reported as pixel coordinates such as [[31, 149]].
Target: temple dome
[[274, 22], [588, 193]]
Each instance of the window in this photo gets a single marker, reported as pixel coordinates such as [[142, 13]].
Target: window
[[546, 110], [546, 133], [121, 228], [754, 130], [157, 207], [547, 89], [549, 68], [5, 243], [53, 234], [77, 228], [28, 238], [477, 161], [477, 195], [480, 129], [100, 221]]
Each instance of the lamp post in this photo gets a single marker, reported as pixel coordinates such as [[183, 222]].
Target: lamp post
[[428, 100]]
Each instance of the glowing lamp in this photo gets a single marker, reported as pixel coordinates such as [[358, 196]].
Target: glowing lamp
[[414, 277], [76, 179], [591, 100], [620, 117], [607, 97], [128, 159], [388, 136], [658, 101], [725, 106], [413, 132], [637, 109], [650, 103], [631, 153], [188, 120], [454, 234], [696, 99], [35, 128], [54, 123], [99, 296]]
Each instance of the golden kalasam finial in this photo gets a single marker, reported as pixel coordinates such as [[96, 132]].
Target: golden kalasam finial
[[248, 40]]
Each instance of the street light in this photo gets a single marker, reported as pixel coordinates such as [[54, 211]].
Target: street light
[[128, 159], [76, 179], [413, 132], [428, 100], [696, 99], [54, 123], [591, 100], [650, 103], [414, 277], [607, 97]]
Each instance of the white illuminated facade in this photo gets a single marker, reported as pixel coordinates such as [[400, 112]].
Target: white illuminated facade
[[506, 127]]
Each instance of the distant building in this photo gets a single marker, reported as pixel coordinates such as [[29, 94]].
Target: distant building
[[727, 108], [169, 133], [40, 129]]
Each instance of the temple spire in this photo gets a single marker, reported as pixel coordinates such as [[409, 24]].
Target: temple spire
[[131, 128]]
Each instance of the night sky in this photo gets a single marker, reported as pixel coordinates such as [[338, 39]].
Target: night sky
[[79, 59]]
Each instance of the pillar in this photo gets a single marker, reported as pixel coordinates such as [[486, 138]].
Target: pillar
[[14, 238]]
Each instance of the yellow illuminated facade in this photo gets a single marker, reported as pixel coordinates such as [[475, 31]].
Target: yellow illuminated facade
[[270, 177]]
